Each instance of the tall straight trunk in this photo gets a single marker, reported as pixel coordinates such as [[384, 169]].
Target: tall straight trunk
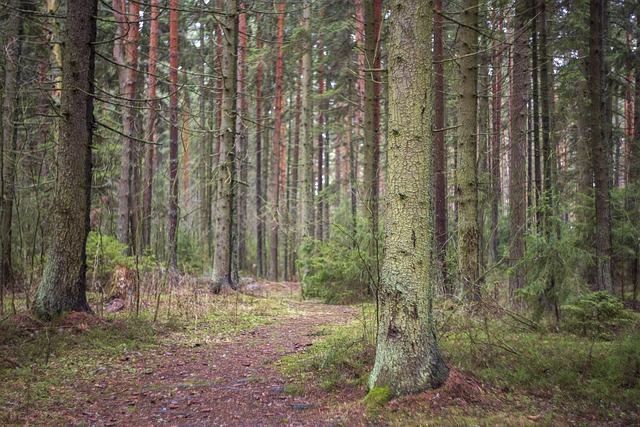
[[495, 149], [372, 90], [438, 136], [600, 146], [185, 141], [634, 170], [306, 134], [535, 116], [63, 286], [242, 161], [173, 136], [517, 159], [407, 356], [545, 116], [467, 169], [259, 194], [127, 50], [224, 268], [294, 177], [320, 146], [326, 212], [204, 161], [150, 128], [8, 146], [276, 153]]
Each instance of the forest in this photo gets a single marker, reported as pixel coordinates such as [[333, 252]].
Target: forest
[[320, 212]]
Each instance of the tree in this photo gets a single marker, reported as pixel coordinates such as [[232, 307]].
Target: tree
[[407, 355], [223, 261], [12, 48], [599, 146], [63, 286], [467, 166], [517, 159], [306, 134], [173, 136]]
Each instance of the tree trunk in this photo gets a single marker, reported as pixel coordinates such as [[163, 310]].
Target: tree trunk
[[224, 273], [63, 286], [8, 146], [276, 153], [173, 136], [150, 129], [242, 160], [320, 146], [259, 194], [517, 160], [467, 170], [439, 147], [495, 150], [372, 20], [600, 146], [306, 134], [407, 356]]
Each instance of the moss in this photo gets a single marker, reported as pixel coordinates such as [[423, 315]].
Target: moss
[[377, 398]]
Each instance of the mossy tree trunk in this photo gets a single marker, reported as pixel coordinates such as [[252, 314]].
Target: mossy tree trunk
[[407, 355], [63, 286], [467, 170]]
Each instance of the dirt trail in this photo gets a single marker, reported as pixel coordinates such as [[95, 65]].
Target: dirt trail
[[233, 383]]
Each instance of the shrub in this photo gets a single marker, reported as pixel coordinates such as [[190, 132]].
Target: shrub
[[596, 315]]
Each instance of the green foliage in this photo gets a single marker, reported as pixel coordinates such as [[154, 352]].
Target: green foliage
[[595, 315], [104, 253], [552, 266], [333, 272], [578, 375]]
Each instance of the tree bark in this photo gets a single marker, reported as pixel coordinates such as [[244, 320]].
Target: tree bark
[[63, 286], [150, 128], [276, 153], [467, 170], [259, 194], [407, 356], [224, 273], [371, 166], [173, 137], [8, 146], [517, 160], [600, 146], [306, 134], [243, 142], [440, 154]]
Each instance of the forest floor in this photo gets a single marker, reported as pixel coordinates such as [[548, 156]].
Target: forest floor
[[264, 359]]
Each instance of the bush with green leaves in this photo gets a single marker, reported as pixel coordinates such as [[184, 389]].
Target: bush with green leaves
[[104, 253], [596, 315], [333, 272]]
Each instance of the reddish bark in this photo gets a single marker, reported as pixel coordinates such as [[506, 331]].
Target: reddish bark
[[259, 193], [173, 135]]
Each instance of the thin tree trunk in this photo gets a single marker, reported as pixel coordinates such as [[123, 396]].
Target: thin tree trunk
[[8, 146], [372, 90], [440, 155], [243, 142], [495, 149], [320, 146], [467, 167], [517, 160], [173, 136], [224, 272], [599, 146], [259, 194], [306, 134], [535, 117], [276, 153]]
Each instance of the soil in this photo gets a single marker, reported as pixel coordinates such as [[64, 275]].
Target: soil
[[234, 383]]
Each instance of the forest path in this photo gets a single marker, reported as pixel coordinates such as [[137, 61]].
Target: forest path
[[231, 383]]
